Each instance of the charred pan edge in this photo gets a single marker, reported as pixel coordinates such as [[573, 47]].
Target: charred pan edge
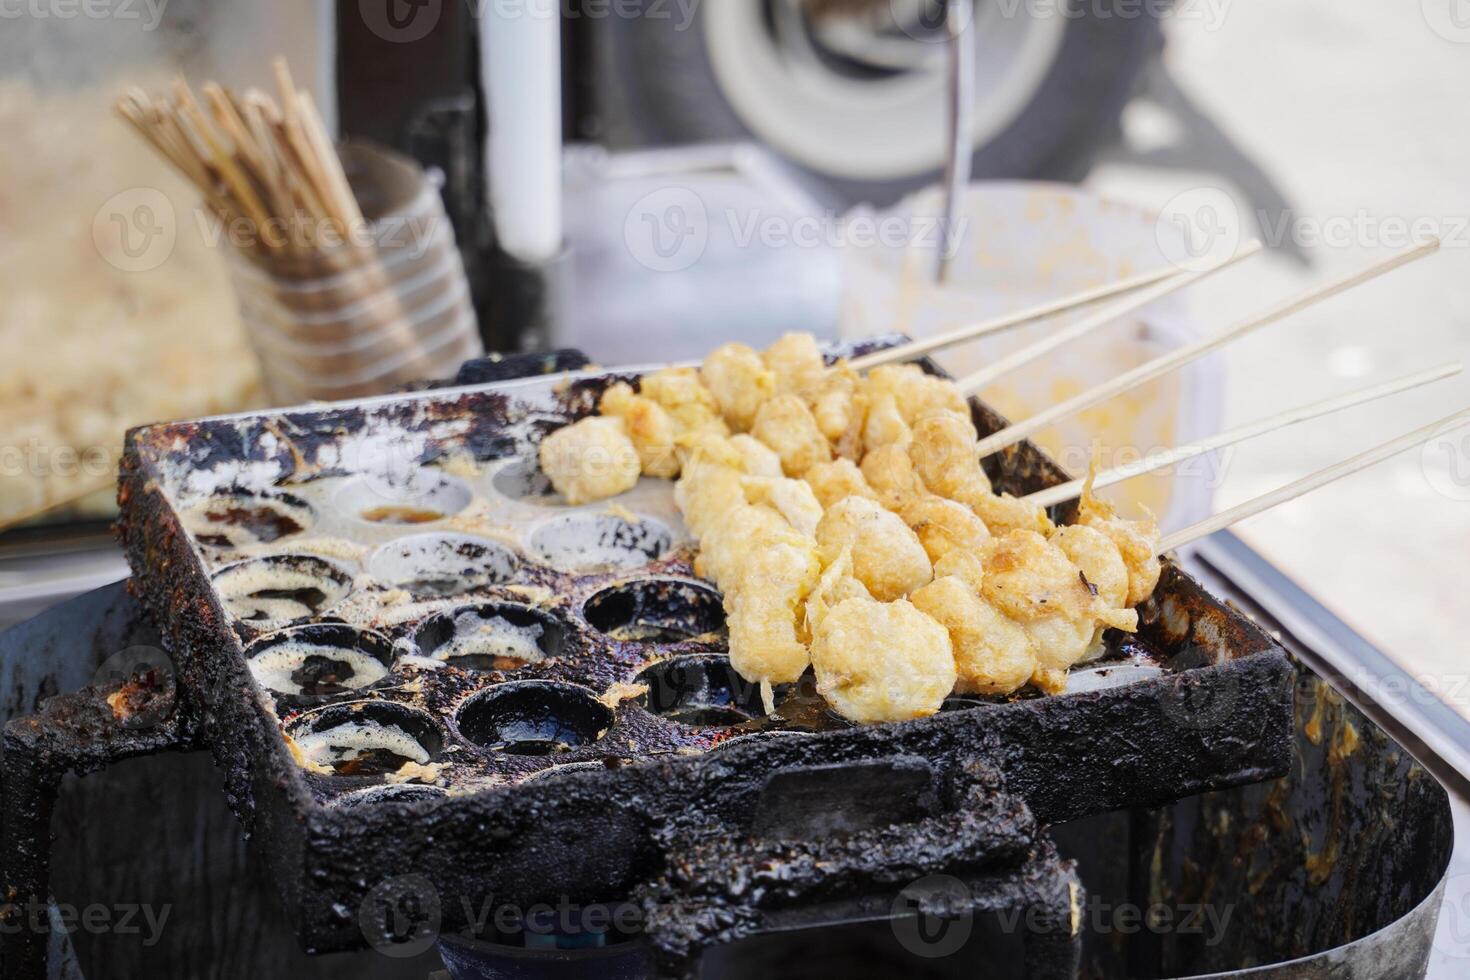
[[589, 835]]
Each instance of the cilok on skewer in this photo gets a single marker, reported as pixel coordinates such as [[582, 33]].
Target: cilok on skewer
[[846, 516], [853, 531]]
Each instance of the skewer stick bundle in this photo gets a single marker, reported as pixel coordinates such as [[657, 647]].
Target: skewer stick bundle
[[1307, 484], [994, 371], [1162, 365], [974, 331], [1302, 413]]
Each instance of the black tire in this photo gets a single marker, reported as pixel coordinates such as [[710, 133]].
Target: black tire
[[656, 87]]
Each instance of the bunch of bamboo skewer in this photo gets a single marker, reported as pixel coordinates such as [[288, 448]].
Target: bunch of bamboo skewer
[[252, 159], [318, 294]]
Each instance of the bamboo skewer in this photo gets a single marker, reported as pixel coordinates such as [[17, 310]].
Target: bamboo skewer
[[1168, 457], [918, 348], [1162, 365], [973, 383], [1309, 483]]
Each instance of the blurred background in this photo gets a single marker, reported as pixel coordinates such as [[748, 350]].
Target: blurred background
[[646, 179], [648, 176]]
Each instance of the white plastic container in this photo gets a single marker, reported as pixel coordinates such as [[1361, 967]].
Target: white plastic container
[[1021, 244], [363, 321]]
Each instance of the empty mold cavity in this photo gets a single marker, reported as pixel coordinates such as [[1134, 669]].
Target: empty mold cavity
[[281, 589], [439, 565], [534, 718], [421, 496], [242, 520], [752, 737], [523, 479], [566, 768], [702, 690], [365, 738], [591, 541], [493, 636], [656, 610], [319, 660], [396, 793]]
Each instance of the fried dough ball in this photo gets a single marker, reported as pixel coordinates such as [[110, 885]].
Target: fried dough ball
[[733, 538], [590, 459], [714, 471], [792, 499], [739, 381], [763, 608], [1098, 558], [916, 393], [756, 458], [882, 661], [887, 556], [785, 424], [1003, 513], [884, 425], [797, 363], [890, 473], [1136, 541], [652, 429], [967, 566], [992, 654], [943, 454], [680, 392], [944, 526], [1028, 578], [836, 585], [839, 409], [837, 479], [750, 456], [705, 492], [1059, 642]]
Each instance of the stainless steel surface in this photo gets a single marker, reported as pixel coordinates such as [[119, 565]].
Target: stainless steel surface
[[1435, 734]]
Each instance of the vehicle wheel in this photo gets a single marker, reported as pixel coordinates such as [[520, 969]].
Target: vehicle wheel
[[858, 101]]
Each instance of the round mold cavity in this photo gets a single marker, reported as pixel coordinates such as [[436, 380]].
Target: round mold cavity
[[366, 738], [524, 480], [587, 542], [534, 718], [395, 793], [566, 768], [701, 690], [751, 738], [319, 660], [241, 520], [277, 590], [421, 496], [438, 565], [656, 610], [491, 636], [962, 702]]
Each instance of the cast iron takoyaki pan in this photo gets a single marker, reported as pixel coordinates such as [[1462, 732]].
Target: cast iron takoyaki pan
[[410, 658]]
